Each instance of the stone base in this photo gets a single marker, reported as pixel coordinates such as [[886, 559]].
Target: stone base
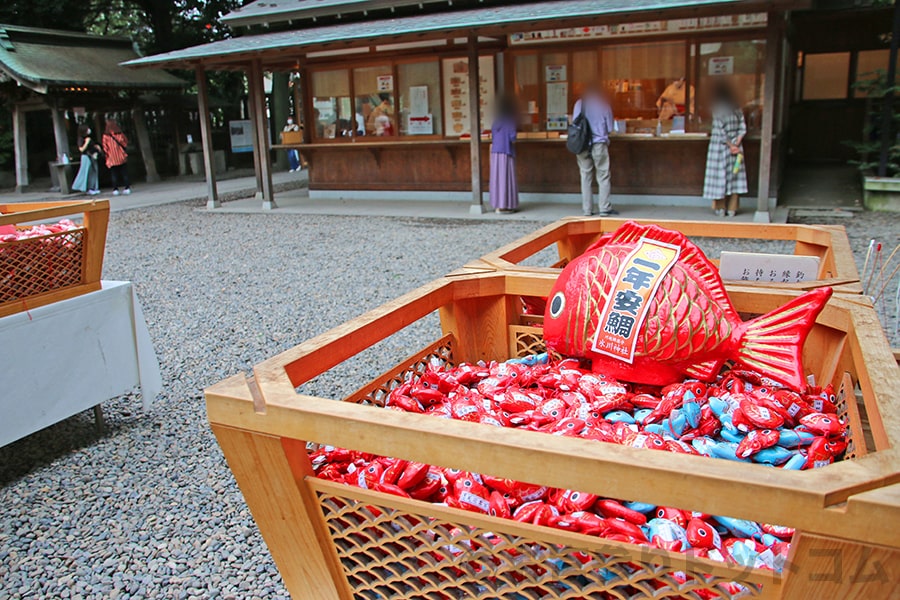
[[881, 193]]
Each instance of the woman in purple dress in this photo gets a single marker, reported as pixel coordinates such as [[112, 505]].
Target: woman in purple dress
[[504, 191]]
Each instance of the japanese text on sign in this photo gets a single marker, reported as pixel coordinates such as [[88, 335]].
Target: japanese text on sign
[[629, 299]]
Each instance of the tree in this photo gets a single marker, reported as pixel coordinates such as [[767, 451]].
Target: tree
[[162, 25], [69, 15]]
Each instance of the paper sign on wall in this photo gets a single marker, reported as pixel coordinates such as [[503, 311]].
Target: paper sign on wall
[[721, 65], [241, 133], [781, 268], [557, 98], [418, 99], [385, 83], [555, 72]]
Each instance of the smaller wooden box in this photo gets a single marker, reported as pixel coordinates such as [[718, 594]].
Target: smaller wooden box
[[42, 270], [291, 137]]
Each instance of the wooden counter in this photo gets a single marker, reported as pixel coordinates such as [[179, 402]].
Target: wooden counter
[[672, 165]]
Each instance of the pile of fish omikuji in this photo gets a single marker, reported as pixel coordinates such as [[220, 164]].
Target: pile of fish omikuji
[[11, 233], [742, 416]]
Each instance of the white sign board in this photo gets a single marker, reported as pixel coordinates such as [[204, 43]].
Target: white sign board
[[721, 65], [418, 99], [644, 28], [241, 133], [779, 268]]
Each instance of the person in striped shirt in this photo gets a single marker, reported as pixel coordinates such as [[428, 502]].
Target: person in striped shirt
[[114, 144]]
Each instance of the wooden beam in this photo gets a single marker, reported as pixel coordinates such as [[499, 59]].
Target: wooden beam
[[768, 118], [212, 195], [477, 206], [261, 131], [20, 141]]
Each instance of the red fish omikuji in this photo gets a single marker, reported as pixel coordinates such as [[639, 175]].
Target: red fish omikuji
[[690, 327]]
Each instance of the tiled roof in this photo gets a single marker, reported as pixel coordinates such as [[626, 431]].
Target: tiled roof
[[44, 58]]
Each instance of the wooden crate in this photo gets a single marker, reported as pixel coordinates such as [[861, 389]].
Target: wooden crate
[[573, 235], [335, 541], [47, 269]]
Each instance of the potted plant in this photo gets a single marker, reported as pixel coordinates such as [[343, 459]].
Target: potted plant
[[879, 193]]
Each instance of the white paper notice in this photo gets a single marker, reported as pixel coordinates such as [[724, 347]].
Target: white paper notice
[[721, 65], [781, 268], [418, 100]]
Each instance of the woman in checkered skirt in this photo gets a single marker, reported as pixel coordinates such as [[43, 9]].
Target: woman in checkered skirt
[[726, 177]]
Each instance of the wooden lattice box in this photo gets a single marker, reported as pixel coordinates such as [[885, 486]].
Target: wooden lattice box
[[335, 541], [46, 269], [573, 235]]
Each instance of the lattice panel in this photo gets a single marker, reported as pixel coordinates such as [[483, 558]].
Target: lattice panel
[[39, 265], [388, 552], [377, 391], [526, 340], [848, 410]]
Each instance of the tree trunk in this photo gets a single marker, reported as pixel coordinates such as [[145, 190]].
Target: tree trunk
[[280, 113]]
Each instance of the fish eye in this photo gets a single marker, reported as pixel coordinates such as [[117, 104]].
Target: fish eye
[[702, 532], [467, 483], [660, 513], [557, 304]]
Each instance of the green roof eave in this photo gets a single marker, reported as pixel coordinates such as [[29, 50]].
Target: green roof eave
[[470, 19]]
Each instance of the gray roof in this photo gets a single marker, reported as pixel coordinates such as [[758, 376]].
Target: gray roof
[[43, 58], [473, 19], [269, 11]]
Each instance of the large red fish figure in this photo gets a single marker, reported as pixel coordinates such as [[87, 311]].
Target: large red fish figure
[[645, 305]]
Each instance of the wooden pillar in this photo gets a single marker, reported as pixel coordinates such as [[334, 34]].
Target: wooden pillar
[[251, 109], [59, 130], [477, 207], [261, 131], [20, 141], [212, 195], [143, 140], [773, 39]]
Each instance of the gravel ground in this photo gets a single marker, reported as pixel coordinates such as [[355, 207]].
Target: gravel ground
[[149, 508]]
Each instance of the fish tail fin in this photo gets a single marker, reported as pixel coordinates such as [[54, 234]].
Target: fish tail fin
[[773, 343]]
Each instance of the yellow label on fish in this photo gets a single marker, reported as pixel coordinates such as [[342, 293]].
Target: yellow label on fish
[[629, 298]]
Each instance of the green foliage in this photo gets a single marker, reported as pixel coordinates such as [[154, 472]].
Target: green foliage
[[875, 89], [162, 25], [69, 15]]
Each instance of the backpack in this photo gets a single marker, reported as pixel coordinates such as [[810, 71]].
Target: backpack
[[579, 134]]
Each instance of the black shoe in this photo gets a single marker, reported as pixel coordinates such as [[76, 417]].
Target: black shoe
[[609, 213]]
